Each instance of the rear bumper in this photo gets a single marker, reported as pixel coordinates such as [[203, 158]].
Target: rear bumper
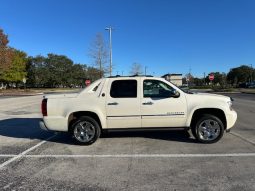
[[43, 126]]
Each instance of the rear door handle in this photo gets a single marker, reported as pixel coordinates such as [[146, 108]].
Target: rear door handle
[[113, 103], [147, 103]]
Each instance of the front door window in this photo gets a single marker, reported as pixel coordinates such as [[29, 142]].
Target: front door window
[[156, 89]]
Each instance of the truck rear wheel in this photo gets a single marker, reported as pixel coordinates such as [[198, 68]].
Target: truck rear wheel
[[85, 130], [208, 129]]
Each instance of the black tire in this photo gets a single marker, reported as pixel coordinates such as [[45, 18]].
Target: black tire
[[215, 134], [91, 125]]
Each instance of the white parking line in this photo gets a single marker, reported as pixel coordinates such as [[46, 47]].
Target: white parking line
[[140, 155], [8, 155], [15, 157]]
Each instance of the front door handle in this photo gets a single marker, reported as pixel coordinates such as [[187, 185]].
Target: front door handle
[[113, 103], [147, 103]]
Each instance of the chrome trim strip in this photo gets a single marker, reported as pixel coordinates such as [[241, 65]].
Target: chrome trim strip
[[174, 114]]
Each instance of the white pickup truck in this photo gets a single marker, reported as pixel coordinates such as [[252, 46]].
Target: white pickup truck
[[137, 102]]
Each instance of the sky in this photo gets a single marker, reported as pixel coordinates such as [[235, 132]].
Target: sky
[[166, 36]]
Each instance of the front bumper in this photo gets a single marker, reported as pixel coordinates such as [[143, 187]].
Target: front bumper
[[231, 119], [43, 126]]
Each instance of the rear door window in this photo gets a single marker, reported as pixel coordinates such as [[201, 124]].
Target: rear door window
[[124, 89]]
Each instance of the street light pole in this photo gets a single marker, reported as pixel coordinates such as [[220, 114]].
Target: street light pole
[[251, 73], [110, 46]]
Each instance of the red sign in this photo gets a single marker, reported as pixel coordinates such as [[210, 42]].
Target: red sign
[[211, 77], [87, 82]]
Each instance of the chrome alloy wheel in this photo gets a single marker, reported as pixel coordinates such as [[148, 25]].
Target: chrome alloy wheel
[[209, 130], [84, 131]]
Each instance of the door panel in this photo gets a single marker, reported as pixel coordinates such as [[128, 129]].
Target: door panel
[[123, 104], [164, 110]]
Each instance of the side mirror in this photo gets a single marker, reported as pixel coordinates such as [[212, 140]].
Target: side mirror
[[175, 94]]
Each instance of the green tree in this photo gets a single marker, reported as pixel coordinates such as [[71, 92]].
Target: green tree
[[79, 74], [184, 81], [219, 79], [6, 55], [30, 69], [198, 81], [17, 71], [60, 70], [37, 71], [93, 73], [240, 74]]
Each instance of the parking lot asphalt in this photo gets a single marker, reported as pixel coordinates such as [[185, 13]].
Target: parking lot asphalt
[[32, 159]]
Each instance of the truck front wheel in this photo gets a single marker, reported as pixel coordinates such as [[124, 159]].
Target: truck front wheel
[[208, 129], [85, 130]]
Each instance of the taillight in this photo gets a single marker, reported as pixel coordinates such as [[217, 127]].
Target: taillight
[[44, 107]]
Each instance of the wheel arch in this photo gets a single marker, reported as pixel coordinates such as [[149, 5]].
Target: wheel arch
[[75, 115], [212, 111]]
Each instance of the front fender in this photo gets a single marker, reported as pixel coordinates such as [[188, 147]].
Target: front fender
[[193, 110]]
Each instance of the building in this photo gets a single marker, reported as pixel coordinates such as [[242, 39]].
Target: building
[[176, 79]]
